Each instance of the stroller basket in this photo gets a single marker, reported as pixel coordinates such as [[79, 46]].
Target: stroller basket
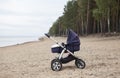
[[71, 47]]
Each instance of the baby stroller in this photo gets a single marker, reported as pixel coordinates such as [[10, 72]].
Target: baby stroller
[[73, 45]]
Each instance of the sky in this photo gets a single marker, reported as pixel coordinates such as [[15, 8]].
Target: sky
[[29, 17]]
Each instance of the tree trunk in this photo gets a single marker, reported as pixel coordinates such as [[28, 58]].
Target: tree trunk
[[101, 27], [117, 20], [94, 27], [98, 27], [88, 15], [82, 27], [119, 15], [104, 26], [59, 29], [108, 21]]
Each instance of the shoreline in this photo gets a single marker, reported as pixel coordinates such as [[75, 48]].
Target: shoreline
[[22, 43], [44, 38]]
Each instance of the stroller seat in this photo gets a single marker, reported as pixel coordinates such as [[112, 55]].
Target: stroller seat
[[73, 43]]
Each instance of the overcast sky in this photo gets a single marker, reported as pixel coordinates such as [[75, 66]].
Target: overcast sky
[[28, 17]]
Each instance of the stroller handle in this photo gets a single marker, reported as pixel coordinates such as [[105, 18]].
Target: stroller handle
[[47, 35], [54, 40]]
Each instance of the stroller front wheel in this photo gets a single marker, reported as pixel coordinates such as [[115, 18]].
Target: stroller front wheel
[[80, 63], [56, 65]]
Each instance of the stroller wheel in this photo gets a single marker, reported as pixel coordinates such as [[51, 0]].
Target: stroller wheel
[[80, 63], [56, 65]]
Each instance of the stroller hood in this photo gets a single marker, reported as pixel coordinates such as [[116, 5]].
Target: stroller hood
[[73, 43], [72, 37]]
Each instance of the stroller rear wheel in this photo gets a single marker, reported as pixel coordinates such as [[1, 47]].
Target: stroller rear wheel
[[56, 65], [80, 63]]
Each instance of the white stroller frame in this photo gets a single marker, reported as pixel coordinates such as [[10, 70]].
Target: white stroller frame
[[56, 65]]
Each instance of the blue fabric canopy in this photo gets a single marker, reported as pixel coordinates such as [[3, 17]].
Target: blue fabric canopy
[[73, 43], [72, 37]]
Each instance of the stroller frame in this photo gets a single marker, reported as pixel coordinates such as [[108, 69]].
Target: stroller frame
[[56, 64], [64, 49]]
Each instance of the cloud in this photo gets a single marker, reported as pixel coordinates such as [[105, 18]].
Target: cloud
[[32, 17]]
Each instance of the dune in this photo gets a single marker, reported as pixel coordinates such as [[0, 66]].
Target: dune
[[33, 59]]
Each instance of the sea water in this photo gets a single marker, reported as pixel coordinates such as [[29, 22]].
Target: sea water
[[13, 40]]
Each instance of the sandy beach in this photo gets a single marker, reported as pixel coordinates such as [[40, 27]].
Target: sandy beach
[[33, 59]]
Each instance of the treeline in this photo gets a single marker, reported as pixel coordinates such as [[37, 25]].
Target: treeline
[[88, 17]]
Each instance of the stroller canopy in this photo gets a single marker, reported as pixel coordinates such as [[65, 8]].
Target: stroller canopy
[[73, 43], [72, 37]]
